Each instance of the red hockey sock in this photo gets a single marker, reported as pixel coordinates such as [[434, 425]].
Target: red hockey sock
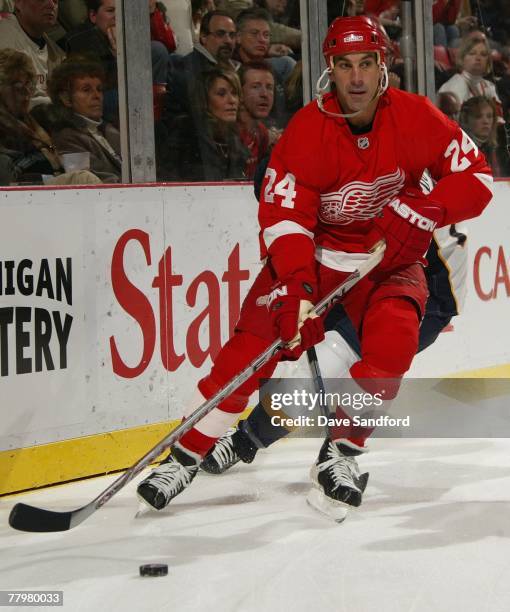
[[239, 351]]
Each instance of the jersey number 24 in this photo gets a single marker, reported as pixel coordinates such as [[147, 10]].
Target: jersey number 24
[[286, 188]]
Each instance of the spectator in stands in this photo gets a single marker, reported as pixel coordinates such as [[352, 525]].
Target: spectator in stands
[[449, 104], [444, 16], [27, 153], [253, 34], [257, 82], [215, 49], [478, 118], [475, 63], [96, 39], [26, 31], [76, 90], [206, 147], [281, 34]]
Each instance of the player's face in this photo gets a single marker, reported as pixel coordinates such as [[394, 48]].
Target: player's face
[[254, 38], [481, 123], [221, 38], [104, 19], [258, 93], [87, 97], [223, 101], [476, 60], [356, 77]]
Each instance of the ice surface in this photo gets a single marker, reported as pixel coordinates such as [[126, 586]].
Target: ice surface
[[432, 534]]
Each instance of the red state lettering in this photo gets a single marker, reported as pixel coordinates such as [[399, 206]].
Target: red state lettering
[[135, 303], [165, 282], [233, 277], [196, 354]]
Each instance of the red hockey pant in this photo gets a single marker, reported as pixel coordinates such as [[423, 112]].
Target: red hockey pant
[[387, 315]]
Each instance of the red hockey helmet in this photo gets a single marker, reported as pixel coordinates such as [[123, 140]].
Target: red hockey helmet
[[353, 35]]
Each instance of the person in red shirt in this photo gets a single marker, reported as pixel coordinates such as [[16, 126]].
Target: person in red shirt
[[344, 174], [257, 81], [160, 28]]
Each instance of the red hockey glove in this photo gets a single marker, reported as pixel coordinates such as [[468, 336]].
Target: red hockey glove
[[407, 225], [289, 304]]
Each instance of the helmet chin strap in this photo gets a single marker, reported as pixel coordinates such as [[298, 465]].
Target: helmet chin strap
[[322, 90]]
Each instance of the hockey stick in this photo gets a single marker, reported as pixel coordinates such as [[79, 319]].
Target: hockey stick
[[31, 518], [318, 382]]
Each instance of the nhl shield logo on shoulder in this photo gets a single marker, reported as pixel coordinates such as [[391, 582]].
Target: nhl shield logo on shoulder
[[363, 143]]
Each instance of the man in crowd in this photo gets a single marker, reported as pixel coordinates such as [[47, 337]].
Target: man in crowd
[[216, 48], [253, 38], [26, 31], [281, 35], [257, 83]]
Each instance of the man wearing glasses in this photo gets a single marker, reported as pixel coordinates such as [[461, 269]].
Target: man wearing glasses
[[216, 48]]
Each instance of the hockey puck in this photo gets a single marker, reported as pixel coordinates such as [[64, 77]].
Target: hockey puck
[[154, 569]]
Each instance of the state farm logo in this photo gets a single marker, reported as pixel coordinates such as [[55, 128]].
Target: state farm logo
[[360, 201], [353, 38]]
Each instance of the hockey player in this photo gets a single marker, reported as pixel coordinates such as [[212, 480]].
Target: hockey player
[[446, 278], [344, 174], [446, 275]]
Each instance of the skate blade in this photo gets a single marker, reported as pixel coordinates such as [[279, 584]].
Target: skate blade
[[143, 508], [335, 510]]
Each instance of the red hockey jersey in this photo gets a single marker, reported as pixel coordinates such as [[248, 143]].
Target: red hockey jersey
[[324, 184]]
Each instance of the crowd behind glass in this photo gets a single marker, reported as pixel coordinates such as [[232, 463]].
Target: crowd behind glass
[[226, 80]]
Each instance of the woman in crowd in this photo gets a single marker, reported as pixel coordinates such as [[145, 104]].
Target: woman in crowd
[[205, 145], [76, 118], [478, 119], [474, 61], [27, 153]]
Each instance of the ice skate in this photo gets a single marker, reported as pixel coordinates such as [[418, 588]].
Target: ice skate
[[234, 446], [337, 482], [169, 479]]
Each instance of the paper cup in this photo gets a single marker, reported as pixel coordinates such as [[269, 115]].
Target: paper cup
[[76, 161]]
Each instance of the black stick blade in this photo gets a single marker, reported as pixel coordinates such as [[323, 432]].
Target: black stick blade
[[29, 518]]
